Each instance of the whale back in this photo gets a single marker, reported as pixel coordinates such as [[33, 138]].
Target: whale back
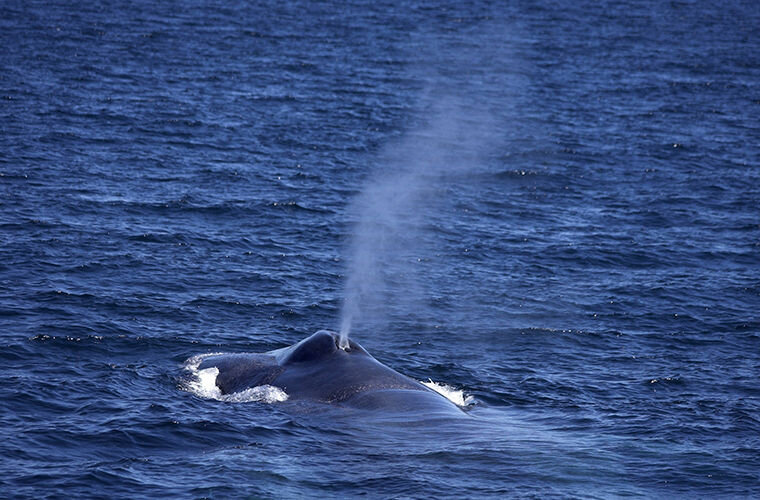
[[318, 369], [238, 372]]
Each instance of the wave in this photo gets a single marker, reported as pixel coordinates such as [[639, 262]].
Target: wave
[[456, 396]]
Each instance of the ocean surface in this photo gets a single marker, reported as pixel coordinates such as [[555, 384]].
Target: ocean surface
[[549, 208]]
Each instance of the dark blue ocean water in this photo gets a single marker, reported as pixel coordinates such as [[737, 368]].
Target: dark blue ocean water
[[551, 206]]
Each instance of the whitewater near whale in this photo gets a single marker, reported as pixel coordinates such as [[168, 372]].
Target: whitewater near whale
[[317, 369]]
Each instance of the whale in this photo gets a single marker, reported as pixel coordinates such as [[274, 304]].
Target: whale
[[318, 369]]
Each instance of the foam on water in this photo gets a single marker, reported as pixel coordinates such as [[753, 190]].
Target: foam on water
[[456, 396], [202, 383]]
